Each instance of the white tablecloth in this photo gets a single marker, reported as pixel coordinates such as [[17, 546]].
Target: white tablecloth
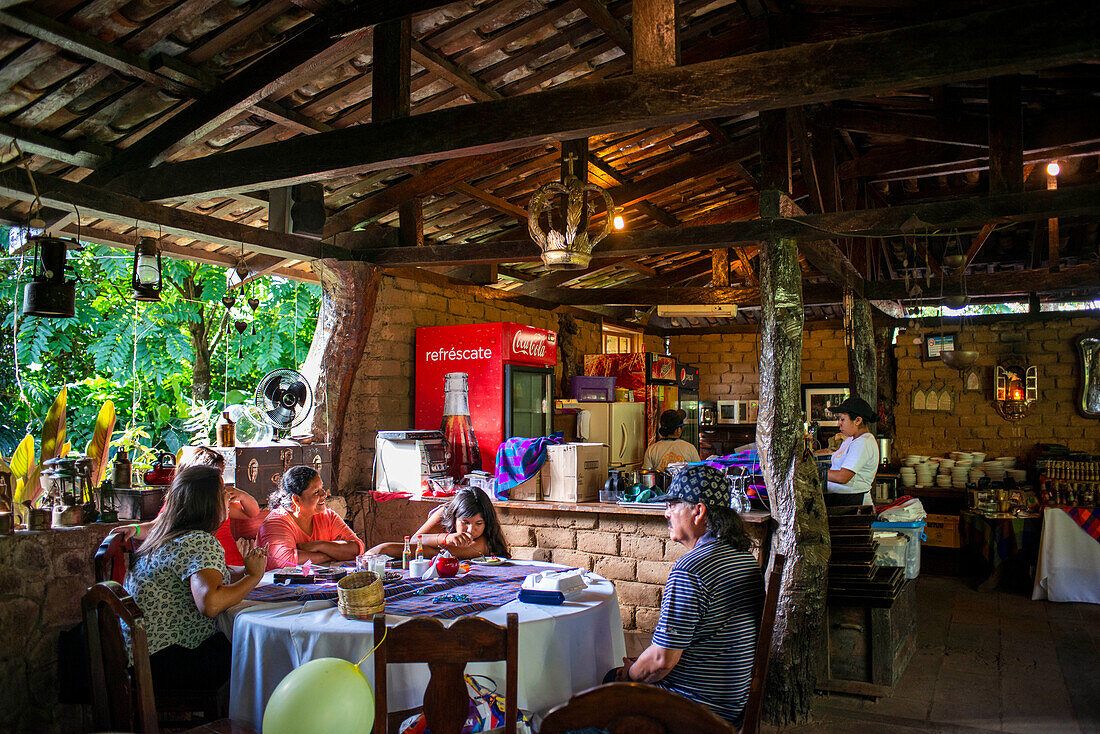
[[1069, 561], [562, 649]]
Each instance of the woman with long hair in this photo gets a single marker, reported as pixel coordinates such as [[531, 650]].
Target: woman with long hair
[[467, 527], [300, 527], [181, 582]]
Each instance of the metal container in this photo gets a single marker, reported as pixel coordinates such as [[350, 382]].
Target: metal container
[[885, 445], [655, 480], [227, 430]]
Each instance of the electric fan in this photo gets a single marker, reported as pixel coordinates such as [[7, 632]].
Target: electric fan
[[284, 398]]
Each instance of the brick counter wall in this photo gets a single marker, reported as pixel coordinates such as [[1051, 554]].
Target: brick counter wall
[[631, 549]]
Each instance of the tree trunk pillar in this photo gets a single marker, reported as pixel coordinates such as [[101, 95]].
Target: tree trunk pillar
[[790, 472], [348, 294], [862, 355]]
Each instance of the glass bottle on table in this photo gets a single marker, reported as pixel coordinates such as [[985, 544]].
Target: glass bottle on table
[[406, 554], [420, 547], [463, 454]]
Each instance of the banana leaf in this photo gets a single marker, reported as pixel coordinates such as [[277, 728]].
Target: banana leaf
[[53, 439], [100, 444], [5, 500], [66, 449], [22, 464]]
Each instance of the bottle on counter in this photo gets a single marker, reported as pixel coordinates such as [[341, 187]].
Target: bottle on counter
[[463, 453], [406, 554], [420, 547]]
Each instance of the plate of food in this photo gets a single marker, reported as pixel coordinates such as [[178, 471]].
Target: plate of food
[[489, 560]]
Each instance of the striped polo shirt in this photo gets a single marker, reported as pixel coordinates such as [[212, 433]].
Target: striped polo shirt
[[711, 611]]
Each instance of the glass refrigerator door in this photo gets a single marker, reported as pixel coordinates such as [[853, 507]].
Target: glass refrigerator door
[[528, 402], [689, 403]]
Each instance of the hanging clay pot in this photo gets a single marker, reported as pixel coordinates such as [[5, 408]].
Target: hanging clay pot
[[229, 301]]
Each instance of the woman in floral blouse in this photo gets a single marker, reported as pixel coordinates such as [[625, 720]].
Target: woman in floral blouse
[[181, 582]]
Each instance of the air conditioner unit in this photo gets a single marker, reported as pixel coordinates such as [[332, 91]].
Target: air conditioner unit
[[724, 310]]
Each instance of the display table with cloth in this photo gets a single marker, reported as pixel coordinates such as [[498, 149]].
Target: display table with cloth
[[1069, 557], [562, 649], [992, 543]]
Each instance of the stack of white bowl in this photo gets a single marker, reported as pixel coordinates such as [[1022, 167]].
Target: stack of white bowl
[[959, 474], [977, 457], [962, 456], [926, 471], [1009, 462], [976, 473], [995, 470], [908, 476]]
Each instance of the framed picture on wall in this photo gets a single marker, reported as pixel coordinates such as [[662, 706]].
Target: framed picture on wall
[[817, 399]]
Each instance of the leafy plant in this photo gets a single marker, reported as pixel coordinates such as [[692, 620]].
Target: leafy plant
[[99, 446]]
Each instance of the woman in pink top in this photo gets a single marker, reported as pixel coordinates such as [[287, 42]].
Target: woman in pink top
[[300, 528]]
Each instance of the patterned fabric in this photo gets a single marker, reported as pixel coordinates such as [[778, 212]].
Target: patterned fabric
[[519, 459], [710, 611], [669, 451], [998, 539], [699, 483], [160, 583], [1089, 520], [484, 587]]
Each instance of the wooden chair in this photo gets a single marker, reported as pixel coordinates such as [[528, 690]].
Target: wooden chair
[[112, 558], [755, 703], [634, 708], [122, 697], [446, 651]]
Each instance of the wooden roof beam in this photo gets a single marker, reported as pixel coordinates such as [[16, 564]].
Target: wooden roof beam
[[436, 62], [1006, 282], [1010, 39], [597, 12]]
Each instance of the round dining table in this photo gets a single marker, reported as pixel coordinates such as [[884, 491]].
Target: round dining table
[[562, 649]]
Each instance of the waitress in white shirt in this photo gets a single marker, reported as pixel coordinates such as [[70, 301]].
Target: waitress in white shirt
[[855, 463]]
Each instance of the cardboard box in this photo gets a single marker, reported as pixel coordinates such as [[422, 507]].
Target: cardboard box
[[577, 472], [532, 490], [942, 531]]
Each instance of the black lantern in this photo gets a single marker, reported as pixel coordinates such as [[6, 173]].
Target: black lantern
[[49, 294], [146, 279]]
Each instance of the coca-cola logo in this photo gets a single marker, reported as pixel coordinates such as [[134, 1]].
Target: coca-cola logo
[[529, 343]]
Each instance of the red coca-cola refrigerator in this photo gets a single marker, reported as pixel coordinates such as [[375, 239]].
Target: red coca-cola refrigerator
[[481, 384]]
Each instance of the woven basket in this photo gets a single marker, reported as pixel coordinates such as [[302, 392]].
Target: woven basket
[[359, 595]]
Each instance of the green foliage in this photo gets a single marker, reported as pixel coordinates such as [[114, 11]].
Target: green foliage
[[141, 353]]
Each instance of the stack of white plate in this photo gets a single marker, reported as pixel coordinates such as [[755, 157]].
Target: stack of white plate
[[925, 472], [960, 456], [994, 470], [914, 459], [1009, 462], [908, 476], [976, 474], [959, 475], [946, 465], [943, 480], [977, 457]]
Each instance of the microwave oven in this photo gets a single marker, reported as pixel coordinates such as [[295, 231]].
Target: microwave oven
[[729, 411]]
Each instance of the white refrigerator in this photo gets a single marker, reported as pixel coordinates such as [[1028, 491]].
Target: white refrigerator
[[619, 426]]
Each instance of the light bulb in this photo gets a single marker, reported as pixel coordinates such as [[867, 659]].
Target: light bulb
[[1053, 169], [618, 221]]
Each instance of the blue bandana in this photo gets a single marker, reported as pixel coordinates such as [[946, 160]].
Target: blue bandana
[[699, 483]]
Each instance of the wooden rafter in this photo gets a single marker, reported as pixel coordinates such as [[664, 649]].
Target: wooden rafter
[[1017, 38]]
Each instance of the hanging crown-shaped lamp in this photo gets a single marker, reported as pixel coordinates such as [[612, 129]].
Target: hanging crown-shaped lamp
[[569, 248]]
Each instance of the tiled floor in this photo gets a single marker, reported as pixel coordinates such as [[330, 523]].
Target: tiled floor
[[985, 662]]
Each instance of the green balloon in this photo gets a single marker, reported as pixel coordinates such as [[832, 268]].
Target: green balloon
[[324, 695]]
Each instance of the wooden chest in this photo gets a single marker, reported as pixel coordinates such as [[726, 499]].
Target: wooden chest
[[257, 469]]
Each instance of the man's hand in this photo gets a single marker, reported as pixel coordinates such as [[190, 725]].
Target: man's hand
[[624, 672]]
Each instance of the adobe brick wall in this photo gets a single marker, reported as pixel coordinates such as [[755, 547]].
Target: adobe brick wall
[[382, 395], [729, 363], [974, 424], [633, 550]]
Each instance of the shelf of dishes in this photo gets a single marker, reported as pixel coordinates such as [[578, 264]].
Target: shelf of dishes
[[958, 469]]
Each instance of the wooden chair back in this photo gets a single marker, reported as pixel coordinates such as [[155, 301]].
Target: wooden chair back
[[446, 650], [112, 558], [755, 703], [120, 701], [633, 708]]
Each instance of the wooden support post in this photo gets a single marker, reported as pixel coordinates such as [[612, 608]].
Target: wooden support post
[[391, 70], [411, 221], [862, 359], [348, 294], [656, 41], [1006, 136], [720, 267], [790, 472]]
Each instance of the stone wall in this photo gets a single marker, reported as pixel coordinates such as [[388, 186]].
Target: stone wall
[[974, 424], [42, 579], [632, 549], [729, 364], [383, 392]]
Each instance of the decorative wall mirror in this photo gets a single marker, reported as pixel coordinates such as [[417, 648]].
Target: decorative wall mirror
[[1089, 347], [1016, 387]]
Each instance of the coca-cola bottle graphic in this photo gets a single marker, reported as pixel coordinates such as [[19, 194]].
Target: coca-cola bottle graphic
[[463, 454]]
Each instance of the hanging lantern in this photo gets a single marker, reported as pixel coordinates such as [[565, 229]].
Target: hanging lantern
[[146, 277], [571, 248], [49, 294]]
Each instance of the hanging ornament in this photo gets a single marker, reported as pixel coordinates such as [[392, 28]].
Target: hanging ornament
[[229, 301], [240, 326], [253, 303]]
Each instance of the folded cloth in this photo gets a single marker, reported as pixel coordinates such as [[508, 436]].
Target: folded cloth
[[1089, 520], [519, 459]]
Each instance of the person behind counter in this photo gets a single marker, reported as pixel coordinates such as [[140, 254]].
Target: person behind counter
[[241, 506], [705, 638], [467, 527], [180, 580], [669, 448], [300, 528], [855, 463]]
